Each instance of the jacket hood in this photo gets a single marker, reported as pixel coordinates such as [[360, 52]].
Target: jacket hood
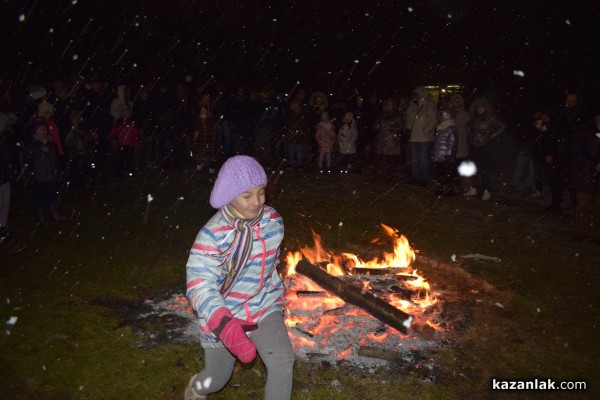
[[483, 102], [121, 91], [421, 91]]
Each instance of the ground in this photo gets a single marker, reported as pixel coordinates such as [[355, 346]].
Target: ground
[[76, 289]]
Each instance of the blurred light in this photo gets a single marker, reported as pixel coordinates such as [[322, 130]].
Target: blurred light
[[410, 9], [467, 168], [21, 17], [75, 56]]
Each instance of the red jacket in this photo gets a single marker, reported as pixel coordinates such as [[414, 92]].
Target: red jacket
[[126, 133]]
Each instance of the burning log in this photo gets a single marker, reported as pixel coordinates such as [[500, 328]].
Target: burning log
[[310, 293], [378, 308]]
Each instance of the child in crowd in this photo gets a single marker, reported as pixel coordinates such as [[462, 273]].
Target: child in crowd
[[325, 137], [443, 152], [41, 160], [46, 111], [80, 145], [347, 137], [129, 138], [233, 285]]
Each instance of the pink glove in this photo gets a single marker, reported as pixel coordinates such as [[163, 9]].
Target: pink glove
[[232, 333]]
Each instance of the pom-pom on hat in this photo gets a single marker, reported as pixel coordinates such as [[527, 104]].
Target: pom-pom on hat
[[237, 175]]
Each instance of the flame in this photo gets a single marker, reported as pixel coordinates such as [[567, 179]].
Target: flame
[[301, 318], [401, 258]]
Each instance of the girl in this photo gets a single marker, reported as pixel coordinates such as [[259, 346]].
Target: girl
[[325, 137], [443, 152], [233, 285], [129, 139], [347, 137]]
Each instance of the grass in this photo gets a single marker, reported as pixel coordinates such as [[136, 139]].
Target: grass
[[67, 345]]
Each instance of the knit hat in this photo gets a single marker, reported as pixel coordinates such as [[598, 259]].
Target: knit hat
[[237, 175], [44, 107]]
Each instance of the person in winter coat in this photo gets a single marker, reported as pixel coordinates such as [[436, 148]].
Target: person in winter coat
[[80, 149], [325, 137], [421, 119], [483, 128], [266, 120], [443, 152], [5, 177], [296, 131], [233, 285], [347, 138], [539, 143], [568, 120], [129, 138], [41, 161], [585, 177], [461, 118], [46, 111], [123, 99], [388, 128]]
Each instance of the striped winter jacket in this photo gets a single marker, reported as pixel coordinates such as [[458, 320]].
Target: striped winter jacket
[[257, 292]]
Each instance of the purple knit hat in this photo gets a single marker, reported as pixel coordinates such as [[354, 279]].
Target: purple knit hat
[[237, 175]]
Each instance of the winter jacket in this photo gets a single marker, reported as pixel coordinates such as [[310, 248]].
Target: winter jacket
[[421, 118], [387, 139], [42, 159], [126, 133], [119, 102], [485, 127], [445, 142], [347, 137], [585, 156], [325, 136], [256, 293]]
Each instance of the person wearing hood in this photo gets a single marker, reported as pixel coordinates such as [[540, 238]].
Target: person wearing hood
[[443, 152], [123, 99], [483, 128], [421, 119], [347, 137]]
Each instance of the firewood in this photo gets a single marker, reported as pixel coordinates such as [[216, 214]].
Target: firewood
[[374, 306], [378, 352]]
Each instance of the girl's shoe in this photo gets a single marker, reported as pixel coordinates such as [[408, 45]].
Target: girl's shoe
[[471, 192], [190, 393]]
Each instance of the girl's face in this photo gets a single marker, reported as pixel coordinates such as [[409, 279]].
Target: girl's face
[[249, 203], [480, 109], [42, 131]]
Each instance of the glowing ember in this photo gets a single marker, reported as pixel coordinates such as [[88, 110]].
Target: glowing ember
[[324, 324]]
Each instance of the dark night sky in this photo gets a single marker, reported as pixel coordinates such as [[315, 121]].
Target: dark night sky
[[335, 45]]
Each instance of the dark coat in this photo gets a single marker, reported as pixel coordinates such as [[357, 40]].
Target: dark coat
[[585, 156], [41, 157]]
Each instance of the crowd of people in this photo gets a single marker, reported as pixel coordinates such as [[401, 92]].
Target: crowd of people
[[69, 135]]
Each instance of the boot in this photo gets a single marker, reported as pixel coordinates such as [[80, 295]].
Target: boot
[[190, 392]]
